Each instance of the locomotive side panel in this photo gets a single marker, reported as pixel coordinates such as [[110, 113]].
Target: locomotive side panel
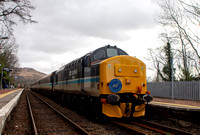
[[68, 78]]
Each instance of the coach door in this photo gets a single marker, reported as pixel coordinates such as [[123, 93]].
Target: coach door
[[52, 79], [85, 73]]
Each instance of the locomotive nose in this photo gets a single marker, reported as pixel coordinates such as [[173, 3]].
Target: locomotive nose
[[123, 85]]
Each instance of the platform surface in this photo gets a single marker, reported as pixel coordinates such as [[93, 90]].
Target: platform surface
[[177, 104], [7, 97], [8, 100]]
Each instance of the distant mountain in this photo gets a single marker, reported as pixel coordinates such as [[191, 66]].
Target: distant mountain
[[27, 76]]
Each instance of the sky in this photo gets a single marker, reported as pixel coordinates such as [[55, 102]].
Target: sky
[[68, 29]]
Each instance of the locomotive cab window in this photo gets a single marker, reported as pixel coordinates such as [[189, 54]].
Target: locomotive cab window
[[121, 52], [99, 55], [112, 52]]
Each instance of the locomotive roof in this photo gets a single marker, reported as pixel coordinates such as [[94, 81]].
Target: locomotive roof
[[104, 47], [79, 59]]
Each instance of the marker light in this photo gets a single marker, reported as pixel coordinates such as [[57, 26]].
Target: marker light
[[103, 100], [134, 95], [148, 92], [139, 89]]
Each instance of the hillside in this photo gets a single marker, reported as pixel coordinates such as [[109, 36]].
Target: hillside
[[27, 76]]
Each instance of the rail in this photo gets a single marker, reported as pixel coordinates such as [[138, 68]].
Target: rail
[[73, 124], [166, 128], [142, 132], [31, 113], [149, 128]]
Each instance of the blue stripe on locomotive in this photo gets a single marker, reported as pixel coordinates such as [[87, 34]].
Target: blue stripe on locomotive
[[74, 81]]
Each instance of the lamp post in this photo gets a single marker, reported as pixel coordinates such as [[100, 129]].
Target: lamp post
[[9, 77], [171, 60]]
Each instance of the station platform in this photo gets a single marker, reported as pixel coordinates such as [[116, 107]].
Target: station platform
[[184, 105], [8, 100]]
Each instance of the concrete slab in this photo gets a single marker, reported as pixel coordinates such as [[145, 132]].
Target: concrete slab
[[175, 106]]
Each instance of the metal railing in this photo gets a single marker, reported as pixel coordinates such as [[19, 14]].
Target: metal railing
[[189, 90]]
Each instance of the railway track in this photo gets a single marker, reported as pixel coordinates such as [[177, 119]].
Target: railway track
[[48, 120], [144, 127], [166, 128]]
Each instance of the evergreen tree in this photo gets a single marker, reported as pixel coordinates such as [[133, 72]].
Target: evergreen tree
[[167, 69]]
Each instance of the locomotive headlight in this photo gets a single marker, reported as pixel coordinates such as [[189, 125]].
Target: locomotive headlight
[[120, 70], [113, 99], [135, 70]]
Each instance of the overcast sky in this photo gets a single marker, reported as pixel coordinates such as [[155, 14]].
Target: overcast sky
[[68, 29]]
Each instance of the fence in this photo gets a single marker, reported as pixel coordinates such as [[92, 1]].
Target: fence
[[182, 90]]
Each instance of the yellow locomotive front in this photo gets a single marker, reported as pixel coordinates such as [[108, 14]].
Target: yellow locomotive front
[[123, 88]]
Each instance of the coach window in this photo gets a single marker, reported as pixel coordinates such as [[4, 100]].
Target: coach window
[[112, 52], [99, 55]]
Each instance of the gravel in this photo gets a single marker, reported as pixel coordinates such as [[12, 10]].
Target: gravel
[[20, 122]]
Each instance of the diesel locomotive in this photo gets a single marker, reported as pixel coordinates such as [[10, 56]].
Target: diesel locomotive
[[110, 79]]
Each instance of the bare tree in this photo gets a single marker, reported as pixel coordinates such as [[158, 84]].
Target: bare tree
[[12, 9], [8, 53], [182, 18], [162, 58], [8, 57]]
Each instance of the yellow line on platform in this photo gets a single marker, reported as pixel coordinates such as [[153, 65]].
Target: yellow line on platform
[[5, 94], [175, 104]]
